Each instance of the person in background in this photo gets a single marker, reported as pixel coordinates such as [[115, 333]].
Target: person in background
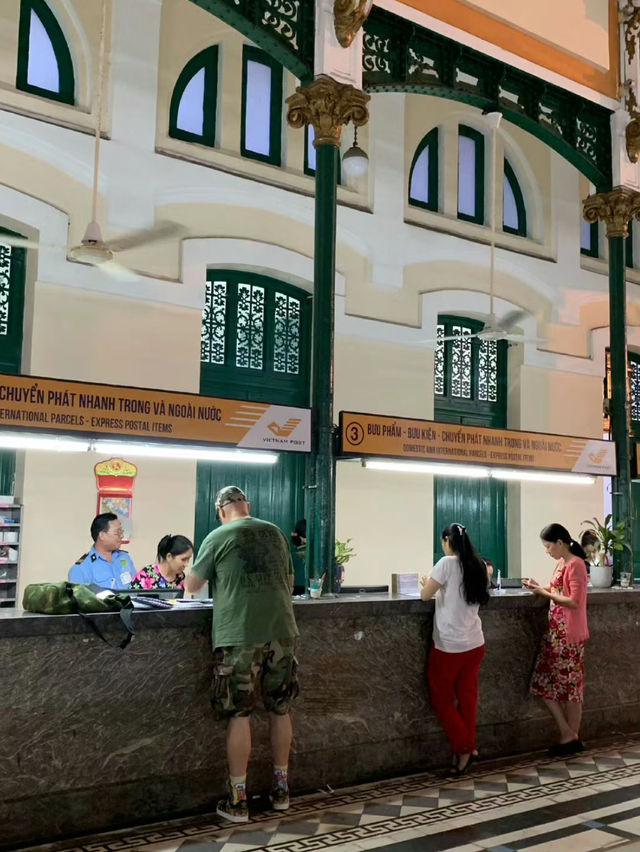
[[558, 677], [460, 585], [490, 571], [105, 565], [590, 543], [174, 553], [248, 562], [299, 553]]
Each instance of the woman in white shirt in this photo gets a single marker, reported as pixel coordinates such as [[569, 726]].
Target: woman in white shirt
[[460, 585]]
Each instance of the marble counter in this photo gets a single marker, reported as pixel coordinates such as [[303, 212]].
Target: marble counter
[[94, 737]]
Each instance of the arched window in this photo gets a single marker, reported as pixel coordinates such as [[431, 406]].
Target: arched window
[[309, 150], [514, 212], [589, 233], [423, 175], [261, 133], [470, 175], [310, 154], [45, 66], [470, 387], [192, 115]]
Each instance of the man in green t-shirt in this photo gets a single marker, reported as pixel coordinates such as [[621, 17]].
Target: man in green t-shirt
[[248, 564]]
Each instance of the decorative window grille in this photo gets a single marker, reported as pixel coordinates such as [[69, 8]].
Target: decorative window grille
[[286, 337], [439, 380], [5, 287], [251, 325], [488, 371], [634, 370], [214, 315], [466, 369]]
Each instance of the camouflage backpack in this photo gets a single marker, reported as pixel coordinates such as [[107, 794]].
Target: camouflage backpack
[[79, 599]]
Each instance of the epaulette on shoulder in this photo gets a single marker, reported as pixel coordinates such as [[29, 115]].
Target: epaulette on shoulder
[[82, 558]]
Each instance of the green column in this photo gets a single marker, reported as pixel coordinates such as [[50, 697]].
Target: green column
[[323, 461], [621, 484], [616, 209], [328, 106]]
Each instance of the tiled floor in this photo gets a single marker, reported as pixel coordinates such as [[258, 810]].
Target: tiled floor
[[585, 803]]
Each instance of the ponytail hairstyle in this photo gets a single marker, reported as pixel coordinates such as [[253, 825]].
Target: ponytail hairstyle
[[556, 532], [173, 545], [475, 580]]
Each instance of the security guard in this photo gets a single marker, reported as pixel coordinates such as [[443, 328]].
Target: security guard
[[105, 564]]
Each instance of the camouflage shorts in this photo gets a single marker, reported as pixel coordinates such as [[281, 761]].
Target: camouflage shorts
[[240, 673]]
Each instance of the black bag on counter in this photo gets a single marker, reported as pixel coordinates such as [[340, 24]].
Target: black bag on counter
[[79, 599]]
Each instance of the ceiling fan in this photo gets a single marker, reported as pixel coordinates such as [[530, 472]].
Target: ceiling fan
[[505, 328], [92, 248]]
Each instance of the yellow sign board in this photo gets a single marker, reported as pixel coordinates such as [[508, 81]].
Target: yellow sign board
[[53, 405], [427, 440]]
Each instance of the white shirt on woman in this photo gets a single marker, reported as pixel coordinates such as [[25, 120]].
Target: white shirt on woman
[[456, 627]]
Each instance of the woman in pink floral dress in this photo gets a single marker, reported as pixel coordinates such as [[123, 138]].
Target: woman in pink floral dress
[[174, 553], [558, 677]]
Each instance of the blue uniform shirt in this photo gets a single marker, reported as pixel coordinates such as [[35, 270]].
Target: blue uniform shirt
[[93, 568]]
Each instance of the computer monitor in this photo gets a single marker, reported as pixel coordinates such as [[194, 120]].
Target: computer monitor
[[162, 594]]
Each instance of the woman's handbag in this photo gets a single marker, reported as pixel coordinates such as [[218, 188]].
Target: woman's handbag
[[79, 599]]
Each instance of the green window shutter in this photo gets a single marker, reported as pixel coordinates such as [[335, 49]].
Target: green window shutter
[[192, 114], [471, 175], [256, 344], [261, 132], [470, 387], [49, 72], [255, 340], [629, 247], [514, 212], [423, 174], [12, 283], [469, 374]]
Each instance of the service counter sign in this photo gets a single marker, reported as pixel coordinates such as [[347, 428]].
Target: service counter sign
[[94, 410], [397, 437]]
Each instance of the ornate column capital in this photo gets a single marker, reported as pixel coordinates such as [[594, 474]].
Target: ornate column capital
[[616, 209], [327, 105], [348, 17]]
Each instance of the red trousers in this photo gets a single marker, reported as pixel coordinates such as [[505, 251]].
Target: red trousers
[[453, 683]]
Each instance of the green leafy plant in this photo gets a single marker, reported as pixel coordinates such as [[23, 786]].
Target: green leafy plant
[[610, 536], [343, 552]]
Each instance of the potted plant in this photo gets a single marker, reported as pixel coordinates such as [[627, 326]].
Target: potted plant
[[343, 553], [610, 537]]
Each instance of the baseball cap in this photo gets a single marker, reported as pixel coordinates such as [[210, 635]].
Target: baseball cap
[[229, 494]]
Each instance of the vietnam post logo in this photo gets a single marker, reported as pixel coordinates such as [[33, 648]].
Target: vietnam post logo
[[287, 429]]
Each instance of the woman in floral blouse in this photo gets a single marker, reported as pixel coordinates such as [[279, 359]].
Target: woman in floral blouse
[[558, 677], [174, 553]]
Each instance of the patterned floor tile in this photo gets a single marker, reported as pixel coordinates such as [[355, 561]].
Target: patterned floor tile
[[526, 804]]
